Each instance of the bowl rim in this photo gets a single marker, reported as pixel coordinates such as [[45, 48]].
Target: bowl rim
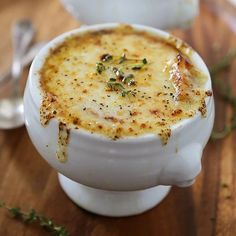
[[34, 85]]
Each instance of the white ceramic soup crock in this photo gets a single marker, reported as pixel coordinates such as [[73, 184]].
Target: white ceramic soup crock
[[123, 177], [157, 13]]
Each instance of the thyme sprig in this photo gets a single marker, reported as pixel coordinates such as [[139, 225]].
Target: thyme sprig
[[120, 78], [33, 217], [225, 92]]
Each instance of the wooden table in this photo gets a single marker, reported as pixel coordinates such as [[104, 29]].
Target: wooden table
[[206, 208]]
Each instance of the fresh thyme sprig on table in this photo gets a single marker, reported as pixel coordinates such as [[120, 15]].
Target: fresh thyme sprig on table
[[225, 92], [33, 217]]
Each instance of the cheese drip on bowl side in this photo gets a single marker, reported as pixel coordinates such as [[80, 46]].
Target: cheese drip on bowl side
[[120, 83]]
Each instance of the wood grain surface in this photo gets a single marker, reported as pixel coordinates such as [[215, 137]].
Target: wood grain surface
[[206, 208]]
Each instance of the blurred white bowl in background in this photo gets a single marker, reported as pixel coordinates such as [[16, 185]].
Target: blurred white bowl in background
[[157, 13]]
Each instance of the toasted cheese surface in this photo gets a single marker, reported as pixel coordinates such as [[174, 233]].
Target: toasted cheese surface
[[120, 83]]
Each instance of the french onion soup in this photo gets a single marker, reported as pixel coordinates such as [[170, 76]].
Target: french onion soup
[[120, 83]]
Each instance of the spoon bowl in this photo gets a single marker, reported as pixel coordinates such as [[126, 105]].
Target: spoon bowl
[[11, 113]]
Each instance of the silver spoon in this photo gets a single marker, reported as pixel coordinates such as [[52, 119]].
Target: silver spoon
[[26, 60], [11, 108]]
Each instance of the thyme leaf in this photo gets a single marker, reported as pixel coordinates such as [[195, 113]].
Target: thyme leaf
[[106, 57], [145, 61], [129, 79], [127, 92], [100, 67], [112, 80], [137, 67], [118, 72], [122, 59], [15, 212], [126, 79], [115, 86], [141, 65], [33, 217]]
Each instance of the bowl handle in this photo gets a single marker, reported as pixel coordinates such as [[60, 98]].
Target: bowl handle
[[182, 168]]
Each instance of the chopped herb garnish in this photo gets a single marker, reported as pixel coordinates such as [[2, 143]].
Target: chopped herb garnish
[[129, 79], [118, 72], [131, 82], [137, 67], [106, 57], [120, 76], [115, 69], [100, 67], [119, 87], [127, 92], [144, 61], [115, 86], [122, 58], [140, 66]]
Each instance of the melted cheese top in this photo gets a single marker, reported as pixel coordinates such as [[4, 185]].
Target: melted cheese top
[[120, 83]]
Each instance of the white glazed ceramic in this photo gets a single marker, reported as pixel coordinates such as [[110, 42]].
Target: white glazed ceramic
[[124, 177], [157, 13]]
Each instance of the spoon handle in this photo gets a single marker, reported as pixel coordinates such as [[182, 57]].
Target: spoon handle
[[22, 35], [26, 60]]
